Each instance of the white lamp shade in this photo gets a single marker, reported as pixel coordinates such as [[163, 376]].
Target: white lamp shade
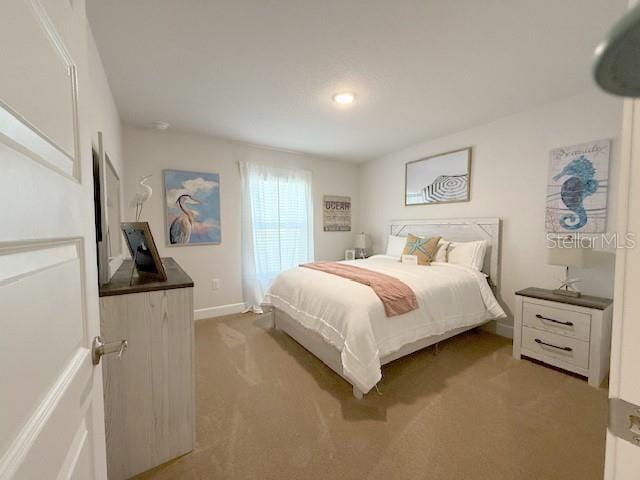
[[361, 240], [568, 257]]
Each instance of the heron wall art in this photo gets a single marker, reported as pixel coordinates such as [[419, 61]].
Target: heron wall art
[[192, 202]]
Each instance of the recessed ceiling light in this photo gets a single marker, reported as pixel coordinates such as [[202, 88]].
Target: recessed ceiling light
[[158, 125], [344, 98]]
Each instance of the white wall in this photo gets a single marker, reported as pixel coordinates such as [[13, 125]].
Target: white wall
[[104, 115], [508, 179], [509, 172], [149, 151]]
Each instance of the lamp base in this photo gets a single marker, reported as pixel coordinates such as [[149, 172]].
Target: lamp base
[[567, 293]]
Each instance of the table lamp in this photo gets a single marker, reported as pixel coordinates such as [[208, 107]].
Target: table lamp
[[567, 257], [361, 245]]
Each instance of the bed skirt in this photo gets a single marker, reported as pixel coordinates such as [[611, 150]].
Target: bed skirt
[[330, 356]]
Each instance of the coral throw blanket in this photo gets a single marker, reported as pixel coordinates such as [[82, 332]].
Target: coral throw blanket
[[397, 297]]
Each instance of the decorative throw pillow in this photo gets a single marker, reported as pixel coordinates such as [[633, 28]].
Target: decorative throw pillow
[[443, 251], [423, 248]]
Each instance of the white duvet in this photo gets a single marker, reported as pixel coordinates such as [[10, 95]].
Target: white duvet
[[351, 317]]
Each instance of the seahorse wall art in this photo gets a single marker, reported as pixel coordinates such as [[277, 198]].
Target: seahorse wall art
[[577, 190]]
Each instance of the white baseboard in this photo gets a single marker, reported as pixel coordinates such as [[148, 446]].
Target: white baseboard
[[211, 312], [502, 329]]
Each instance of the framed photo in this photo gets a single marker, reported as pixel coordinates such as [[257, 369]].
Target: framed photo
[[192, 208], [336, 213], [142, 248], [350, 254], [577, 187], [442, 178]]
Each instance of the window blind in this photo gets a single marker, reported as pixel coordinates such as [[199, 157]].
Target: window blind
[[280, 208]]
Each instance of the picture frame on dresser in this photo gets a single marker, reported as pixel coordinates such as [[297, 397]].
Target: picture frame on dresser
[[570, 333], [143, 250]]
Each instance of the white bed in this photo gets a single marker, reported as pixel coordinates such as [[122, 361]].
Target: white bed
[[343, 322]]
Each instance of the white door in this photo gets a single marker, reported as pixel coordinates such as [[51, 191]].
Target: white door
[[51, 407], [623, 455]]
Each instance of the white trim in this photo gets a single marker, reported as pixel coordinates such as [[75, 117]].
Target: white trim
[[73, 455], [23, 260], [20, 446], [220, 310], [623, 311], [21, 135], [18, 134], [498, 328], [47, 25]]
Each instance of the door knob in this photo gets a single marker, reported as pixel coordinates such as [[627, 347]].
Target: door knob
[[100, 348]]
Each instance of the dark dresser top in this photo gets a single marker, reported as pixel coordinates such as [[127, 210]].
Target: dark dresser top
[[119, 284], [587, 301]]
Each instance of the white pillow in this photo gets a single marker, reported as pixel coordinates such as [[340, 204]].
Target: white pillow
[[441, 253], [395, 245], [469, 254]]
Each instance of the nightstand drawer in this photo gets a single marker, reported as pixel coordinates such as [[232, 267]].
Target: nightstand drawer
[[562, 349], [557, 320]]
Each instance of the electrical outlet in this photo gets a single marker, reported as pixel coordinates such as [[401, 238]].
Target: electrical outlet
[[215, 284]]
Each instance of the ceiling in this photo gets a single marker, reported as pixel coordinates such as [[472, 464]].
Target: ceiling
[[264, 71]]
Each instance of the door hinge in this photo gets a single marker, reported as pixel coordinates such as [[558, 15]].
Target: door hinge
[[624, 420]]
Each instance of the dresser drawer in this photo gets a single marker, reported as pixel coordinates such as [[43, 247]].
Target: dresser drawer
[[557, 320], [563, 349]]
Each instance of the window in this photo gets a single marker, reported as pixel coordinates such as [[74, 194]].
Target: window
[[277, 225]]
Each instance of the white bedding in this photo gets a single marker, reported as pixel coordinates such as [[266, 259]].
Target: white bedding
[[351, 317]]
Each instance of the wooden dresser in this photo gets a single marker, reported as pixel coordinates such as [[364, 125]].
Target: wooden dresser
[[149, 393], [566, 332]]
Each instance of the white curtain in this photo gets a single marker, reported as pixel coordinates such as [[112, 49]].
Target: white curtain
[[277, 226]]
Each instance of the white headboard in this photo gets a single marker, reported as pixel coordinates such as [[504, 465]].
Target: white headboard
[[460, 230]]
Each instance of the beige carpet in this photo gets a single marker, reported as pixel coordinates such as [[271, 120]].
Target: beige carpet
[[268, 409]]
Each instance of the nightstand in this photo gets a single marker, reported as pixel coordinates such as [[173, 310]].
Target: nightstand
[[569, 333]]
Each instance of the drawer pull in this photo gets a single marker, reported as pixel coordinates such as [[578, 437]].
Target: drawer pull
[[568, 324], [566, 349]]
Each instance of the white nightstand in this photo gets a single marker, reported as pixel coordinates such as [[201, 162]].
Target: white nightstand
[[570, 333]]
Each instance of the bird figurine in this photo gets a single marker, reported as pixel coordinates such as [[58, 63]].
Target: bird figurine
[[180, 229], [143, 194]]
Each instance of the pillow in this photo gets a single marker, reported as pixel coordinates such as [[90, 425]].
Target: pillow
[[442, 252], [423, 248], [469, 254], [395, 245]]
